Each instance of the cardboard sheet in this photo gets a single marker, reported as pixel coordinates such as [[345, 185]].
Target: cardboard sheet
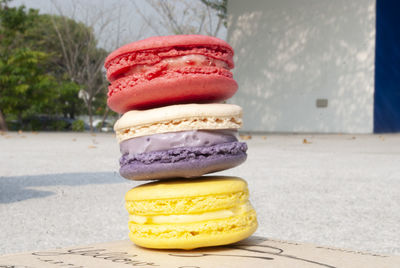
[[250, 253]]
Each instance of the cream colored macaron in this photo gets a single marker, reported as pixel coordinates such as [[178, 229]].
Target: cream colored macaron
[[187, 214], [181, 117]]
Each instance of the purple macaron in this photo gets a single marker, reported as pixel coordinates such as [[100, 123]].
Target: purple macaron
[[180, 154]]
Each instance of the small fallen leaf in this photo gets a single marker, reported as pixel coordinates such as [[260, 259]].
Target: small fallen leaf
[[245, 137], [264, 137], [35, 132], [19, 131], [91, 147], [94, 135], [305, 141], [73, 139], [353, 138], [23, 136]]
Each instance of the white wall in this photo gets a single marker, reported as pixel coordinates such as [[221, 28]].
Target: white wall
[[291, 52]]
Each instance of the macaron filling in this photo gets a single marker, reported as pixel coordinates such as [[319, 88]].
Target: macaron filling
[[165, 151], [170, 140], [171, 63], [197, 217], [150, 54], [186, 153]]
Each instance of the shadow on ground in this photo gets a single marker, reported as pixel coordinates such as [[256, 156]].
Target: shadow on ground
[[14, 189]]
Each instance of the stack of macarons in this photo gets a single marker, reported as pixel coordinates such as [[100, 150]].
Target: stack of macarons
[[174, 129]]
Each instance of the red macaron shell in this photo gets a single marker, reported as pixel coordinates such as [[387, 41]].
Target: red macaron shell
[[158, 42], [121, 64], [133, 87], [188, 88]]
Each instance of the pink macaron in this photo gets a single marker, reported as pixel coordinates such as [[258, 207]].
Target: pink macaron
[[168, 70]]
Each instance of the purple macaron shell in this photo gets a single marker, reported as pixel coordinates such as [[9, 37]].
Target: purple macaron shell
[[184, 162]]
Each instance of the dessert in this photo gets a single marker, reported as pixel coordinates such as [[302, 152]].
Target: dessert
[[187, 214], [185, 140], [173, 129], [167, 70]]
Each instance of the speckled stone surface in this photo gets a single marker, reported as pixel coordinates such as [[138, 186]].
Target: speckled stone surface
[[63, 189]]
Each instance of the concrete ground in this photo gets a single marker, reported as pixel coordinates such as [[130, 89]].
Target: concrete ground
[[63, 189]]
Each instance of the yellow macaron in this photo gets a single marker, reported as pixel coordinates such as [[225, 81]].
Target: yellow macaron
[[190, 213]]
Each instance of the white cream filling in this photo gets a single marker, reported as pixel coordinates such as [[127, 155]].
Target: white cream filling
[[185, 218]]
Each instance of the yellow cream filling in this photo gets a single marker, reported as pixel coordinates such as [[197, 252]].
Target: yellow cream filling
[[185, 218]]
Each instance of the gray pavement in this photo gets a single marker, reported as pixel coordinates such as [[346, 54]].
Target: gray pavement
[[63, 189]]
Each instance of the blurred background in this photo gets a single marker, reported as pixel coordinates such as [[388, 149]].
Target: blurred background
[[302, 66], [52, 54]]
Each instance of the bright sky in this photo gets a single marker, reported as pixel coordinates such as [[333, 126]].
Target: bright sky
[[116, 22], [108, 17]]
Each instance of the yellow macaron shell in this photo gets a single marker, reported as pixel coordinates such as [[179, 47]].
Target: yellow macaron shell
[[194, 235], [205, 185], [181, 117], [186, 214]]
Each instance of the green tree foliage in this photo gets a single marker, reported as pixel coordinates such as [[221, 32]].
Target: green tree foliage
[[69, 103], [74, 57], [45, 62], [24, 85]]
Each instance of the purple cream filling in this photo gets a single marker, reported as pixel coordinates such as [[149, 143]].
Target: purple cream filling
[[185, 153], [166, 141]]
